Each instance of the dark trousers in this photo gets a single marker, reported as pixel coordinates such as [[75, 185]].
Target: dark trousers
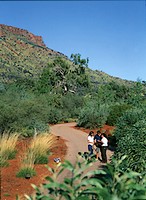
[[90, 149], [103, 154]]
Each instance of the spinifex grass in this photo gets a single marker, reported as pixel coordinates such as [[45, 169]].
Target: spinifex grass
[[41, 146], [8, 147], [27, 165]]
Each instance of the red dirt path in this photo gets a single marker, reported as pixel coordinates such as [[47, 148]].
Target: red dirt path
[[11, 185]]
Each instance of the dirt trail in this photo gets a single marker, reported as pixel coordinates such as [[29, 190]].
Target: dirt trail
[[76, 141]]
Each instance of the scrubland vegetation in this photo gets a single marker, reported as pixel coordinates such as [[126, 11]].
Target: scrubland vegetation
[[65, 92]]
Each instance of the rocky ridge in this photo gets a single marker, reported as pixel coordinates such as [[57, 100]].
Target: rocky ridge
[[22, 54]]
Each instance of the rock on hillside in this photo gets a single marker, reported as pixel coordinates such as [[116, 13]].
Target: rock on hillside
[[5, 30], [22, 54]]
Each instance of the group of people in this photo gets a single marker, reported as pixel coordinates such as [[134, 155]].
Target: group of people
[[100, 142]]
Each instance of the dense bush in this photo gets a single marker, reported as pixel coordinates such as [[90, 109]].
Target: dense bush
[[93, 115], [23, 112], [131, 136], [115, 112], [55, 115], [72, 104]]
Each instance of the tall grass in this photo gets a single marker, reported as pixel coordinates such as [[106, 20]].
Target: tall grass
[[27, 164], [36, 153], [41, 146], [8, 147]]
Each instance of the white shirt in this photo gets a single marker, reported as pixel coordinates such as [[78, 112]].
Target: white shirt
[[90, 140], [104, 142]]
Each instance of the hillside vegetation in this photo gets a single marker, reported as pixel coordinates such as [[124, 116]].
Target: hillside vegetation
[[24, 55], [39, 86]]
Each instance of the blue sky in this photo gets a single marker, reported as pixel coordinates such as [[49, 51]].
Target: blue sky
[[111, 33]]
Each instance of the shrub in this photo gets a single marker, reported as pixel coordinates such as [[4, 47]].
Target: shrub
[[23, 111], [115, 112], [93, 115], [69, 120], [54, 115], [72, 104], [131, 136]]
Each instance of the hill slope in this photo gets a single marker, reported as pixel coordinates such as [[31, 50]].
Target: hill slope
[[24, 55]]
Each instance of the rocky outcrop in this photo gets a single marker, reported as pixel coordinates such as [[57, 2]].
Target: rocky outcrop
[[5, 30]]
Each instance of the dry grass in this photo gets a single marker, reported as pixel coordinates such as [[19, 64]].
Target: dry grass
[[8, 146], [38, 147], [43, 143], [27, 160]]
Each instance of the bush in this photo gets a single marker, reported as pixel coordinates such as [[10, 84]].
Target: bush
[[54, 115], [93, 115], [23, 112], [72, 104], [131, 136], [115, 112]]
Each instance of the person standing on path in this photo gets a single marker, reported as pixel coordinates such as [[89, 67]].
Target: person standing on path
[[104, 145], [90, 142], [97, 143]]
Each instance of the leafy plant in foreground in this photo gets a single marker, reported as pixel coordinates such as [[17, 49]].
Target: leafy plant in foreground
[[82, 183]]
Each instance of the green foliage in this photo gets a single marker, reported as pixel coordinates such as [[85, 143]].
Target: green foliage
[[109, 184], [26, 172], [104, 94], [60, 76], [115, 112], [137, 94], [54, 115], [42, 159], [123, 184], [3, 161], [76, 59], [72, 104], [68, 120], [131, 136], [22, 111], [11, 154], [93, 115], [78, 187], [121, 91]]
